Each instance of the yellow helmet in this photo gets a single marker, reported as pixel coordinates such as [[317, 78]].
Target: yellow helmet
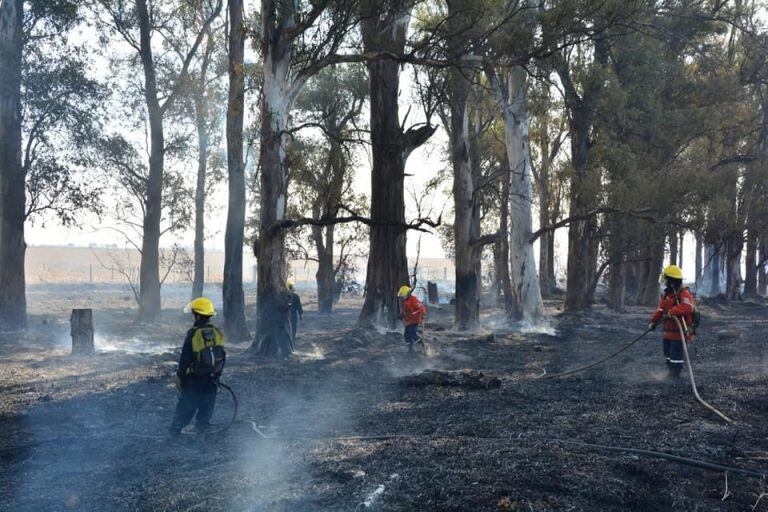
[[673, 271], [201, 306], [404, 291], [289, 284]]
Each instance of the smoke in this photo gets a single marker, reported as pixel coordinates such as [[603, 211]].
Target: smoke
[[132, 345]]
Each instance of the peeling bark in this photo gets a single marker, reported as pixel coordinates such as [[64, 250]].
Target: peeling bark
[[526, 301]]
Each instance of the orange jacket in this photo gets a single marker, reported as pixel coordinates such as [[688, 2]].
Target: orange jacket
[[680, 306], [413, 311]]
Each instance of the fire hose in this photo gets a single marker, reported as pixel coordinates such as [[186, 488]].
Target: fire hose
[[683, 332], [591, 365]]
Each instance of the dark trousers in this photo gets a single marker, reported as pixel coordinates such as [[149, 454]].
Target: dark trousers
[[198, 395], [411, 334], [294, 326], [673, 352]]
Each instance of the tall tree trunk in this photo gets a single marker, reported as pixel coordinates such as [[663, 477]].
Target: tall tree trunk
[[681, 249], [713, 266], [505, 279], [384, 29], [13, 302], [617, 266], [649, 294], [579, 232], [466, 226], [673, 248], [325, 275], [750, 263], [616, 285], [232, 286], [201, 113], [273, 336], [733, 248], [149, 271], [526, 292]]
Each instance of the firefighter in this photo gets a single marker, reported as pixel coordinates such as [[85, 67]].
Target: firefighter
[[297, 311], [412, 314], [677, 301], [200, 364]]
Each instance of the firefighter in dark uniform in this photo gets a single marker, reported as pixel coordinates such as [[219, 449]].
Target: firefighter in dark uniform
[[677, 301], [200, 364], [297, 311]]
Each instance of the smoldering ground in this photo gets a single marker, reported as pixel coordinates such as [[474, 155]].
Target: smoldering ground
[[339, 430]]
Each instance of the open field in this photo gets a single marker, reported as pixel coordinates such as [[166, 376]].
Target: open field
[[337, 427]]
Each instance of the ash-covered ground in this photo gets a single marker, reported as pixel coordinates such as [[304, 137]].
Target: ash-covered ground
[[341, 432]]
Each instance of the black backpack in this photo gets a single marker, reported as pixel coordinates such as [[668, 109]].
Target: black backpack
[[208, 351]]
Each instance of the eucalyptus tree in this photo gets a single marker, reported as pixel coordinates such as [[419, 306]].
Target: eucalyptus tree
[[232, 287], [296, 40], [49, 117], [322, 174], [384, 27], [141, 24]]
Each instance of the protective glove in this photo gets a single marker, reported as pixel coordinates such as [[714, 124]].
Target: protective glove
[[651, 326], [177, 382]]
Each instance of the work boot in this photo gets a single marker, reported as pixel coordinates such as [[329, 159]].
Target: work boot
[[674, 372]]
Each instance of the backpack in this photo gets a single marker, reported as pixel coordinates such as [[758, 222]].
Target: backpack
[[695, 316], [208, 352]]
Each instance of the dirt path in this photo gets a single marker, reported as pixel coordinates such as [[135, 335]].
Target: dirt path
[[84, 430]]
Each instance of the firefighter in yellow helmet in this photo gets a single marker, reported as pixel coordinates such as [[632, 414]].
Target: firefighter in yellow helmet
[[200, 365], [677, 301], [412, 314]]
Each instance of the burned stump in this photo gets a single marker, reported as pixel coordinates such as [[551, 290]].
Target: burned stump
[[432, 295], [468, 380], [81, 330]]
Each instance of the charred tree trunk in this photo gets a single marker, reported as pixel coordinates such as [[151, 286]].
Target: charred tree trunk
[[149, 271], [81, 330], [466, 227], [384, 29], [617, 247], [649, 290], [232, 286], [733, 248], [13, 302], [526, 301], [273, 335], [616, 285], [326, 275]]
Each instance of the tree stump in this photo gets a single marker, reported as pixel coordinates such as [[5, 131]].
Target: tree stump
[[434, 297], [81, 330]]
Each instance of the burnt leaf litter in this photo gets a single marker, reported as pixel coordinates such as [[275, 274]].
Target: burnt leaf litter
[[341, 426]]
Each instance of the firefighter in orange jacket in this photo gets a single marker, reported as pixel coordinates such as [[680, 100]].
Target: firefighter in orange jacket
[[412, 314], [677, 301]]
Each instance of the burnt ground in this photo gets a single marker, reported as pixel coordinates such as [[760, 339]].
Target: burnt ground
[[88, 433]]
